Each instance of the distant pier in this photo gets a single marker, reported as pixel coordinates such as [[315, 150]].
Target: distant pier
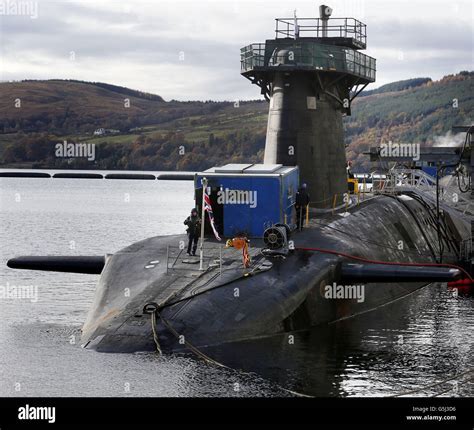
[[103, 174]]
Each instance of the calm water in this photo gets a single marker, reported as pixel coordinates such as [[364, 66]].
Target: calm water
[[411, 344]]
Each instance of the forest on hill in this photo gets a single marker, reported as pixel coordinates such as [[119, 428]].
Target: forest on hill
[[144, 132]]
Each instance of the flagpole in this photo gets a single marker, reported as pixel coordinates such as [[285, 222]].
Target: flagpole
[[203, 218]]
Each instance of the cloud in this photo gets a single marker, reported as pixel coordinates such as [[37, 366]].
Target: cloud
[[190, 49]]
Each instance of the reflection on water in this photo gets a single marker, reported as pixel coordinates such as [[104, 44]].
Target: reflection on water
[[410, 344]]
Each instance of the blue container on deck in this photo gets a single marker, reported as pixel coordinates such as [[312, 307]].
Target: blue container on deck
[[248, 198]]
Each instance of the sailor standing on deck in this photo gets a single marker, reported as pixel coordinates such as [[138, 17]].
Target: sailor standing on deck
[[301, 203], [350, 175], [194, 224]]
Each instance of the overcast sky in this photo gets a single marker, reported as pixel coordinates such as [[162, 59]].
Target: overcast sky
[[189, 50]]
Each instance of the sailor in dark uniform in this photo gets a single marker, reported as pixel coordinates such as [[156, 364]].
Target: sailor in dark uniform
[[301, 202], [194, 226], [350, 175]]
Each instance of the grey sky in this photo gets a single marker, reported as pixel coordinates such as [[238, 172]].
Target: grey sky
[[190, 49]]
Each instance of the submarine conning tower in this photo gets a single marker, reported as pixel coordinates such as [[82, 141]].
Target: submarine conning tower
[[310, 73]]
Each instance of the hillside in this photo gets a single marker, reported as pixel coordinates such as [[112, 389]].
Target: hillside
[[72, 107], [396, 86], [154, 134], [417, 114]]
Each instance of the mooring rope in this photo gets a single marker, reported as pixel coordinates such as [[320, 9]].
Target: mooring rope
[[154, 313], [182, 339], [155, 335]]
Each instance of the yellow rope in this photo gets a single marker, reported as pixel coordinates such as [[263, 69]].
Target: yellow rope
[[155, 335]]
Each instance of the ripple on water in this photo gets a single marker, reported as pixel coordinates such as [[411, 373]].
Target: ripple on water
[[411, 344]]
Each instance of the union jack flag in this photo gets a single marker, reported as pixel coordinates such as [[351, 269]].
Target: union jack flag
[[208, 209]]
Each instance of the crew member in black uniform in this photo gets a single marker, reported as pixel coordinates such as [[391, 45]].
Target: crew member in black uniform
[[301, 202], [350, 175], [194, 226]]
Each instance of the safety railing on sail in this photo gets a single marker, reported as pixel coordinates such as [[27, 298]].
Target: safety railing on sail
[[252, 56], [310, 55], [316, 27]]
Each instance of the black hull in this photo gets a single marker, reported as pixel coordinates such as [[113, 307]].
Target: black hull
[[289, 296]]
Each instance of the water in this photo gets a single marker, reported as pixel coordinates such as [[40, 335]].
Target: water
[[411, 344]]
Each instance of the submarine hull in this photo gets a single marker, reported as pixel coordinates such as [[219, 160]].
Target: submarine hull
[[277, 294]]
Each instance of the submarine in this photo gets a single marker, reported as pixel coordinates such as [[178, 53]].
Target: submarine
[[257, 274]]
